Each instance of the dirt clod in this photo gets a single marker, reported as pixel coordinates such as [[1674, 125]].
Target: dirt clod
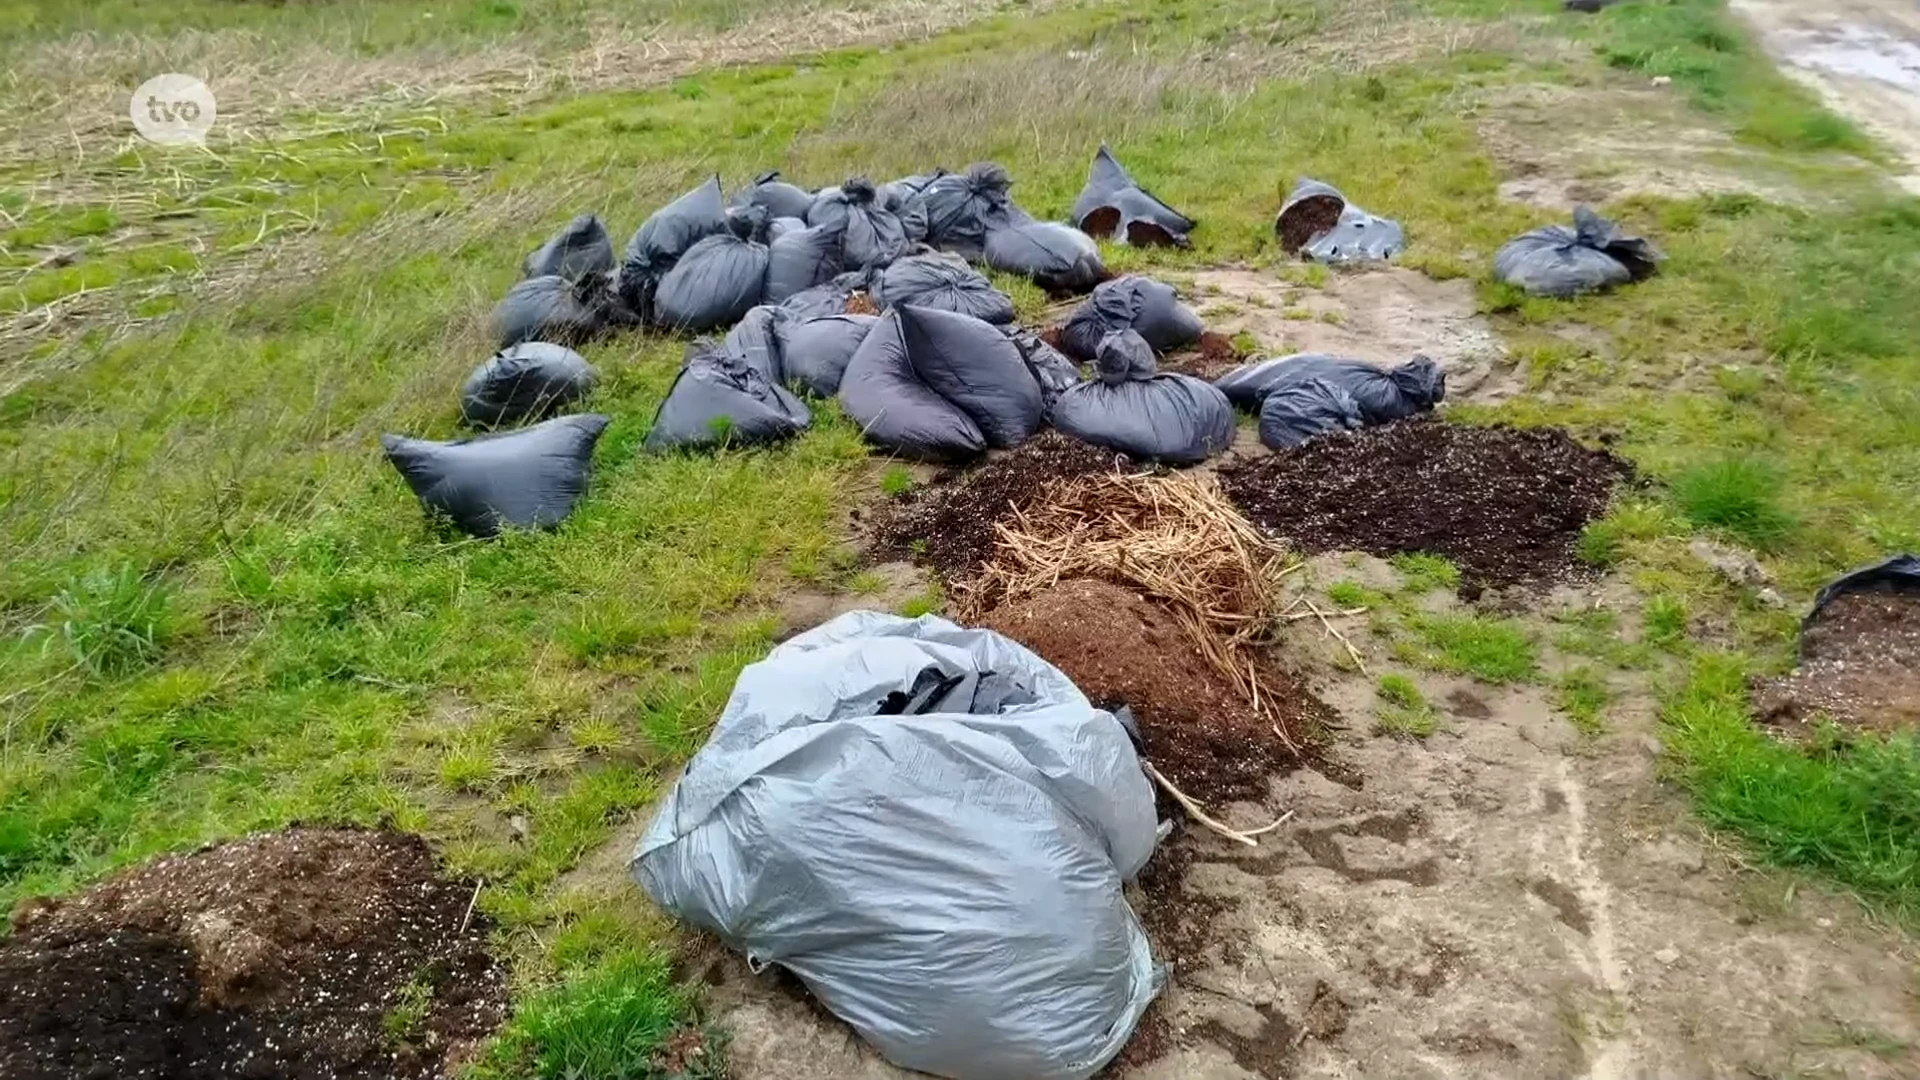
[[1121, 649], [1506, 505], [306, 954], [1859, 666], [948, 524]]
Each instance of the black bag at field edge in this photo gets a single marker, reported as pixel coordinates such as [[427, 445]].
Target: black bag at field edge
[[1381, 394], [962, 208], [779, 198], [1059, 258], [717, 400], [526, 479], [554, 309], [1560, 262], [528, 381], [719, 279], [1150, 308], [1113, 206], [582, 247]]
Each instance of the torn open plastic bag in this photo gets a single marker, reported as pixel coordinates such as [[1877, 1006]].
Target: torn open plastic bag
[[932, 828], [582, 247], [962, 208], [1382, 395], [814, 353], [719, 279], [528, 381], [779, 198], [1561, 262], [1113, 206], [1899, 574], [1059, 258], [1148, 307], [1319, 223], [1163, 417], [717, 400], [1051, 369], [871, 235], [943, 281], [526, 479], [1297, 411], [559, 310]]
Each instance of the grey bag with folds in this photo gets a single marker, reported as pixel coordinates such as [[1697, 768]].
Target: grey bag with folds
[[932, 828], [1113, 206], [1319, 223], [827, 298], [529, 381], [779, 198], [799, 259], [814, 353], [755, 340], [939, 386], [718, 400], [1150, 308], [935, 280], [1382, 395], [1051, 369], [665, 236], [962, 208], [556, 309], [1298, 411], [1059, 258], [1146, 415], [1561, 262], [719, 279], [582, 247], [524, 479], [871, 235]]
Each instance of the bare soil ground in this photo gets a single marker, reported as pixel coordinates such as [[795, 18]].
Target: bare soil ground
[[1862, 56], [1859, 667]]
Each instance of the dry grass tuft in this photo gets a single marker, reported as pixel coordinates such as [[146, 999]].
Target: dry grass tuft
[[1176, 538]]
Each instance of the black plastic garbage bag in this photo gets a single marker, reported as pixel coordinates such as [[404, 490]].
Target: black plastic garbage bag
[[1151, 308], [872, 235], [781, 226], [814, 353], [962, 208], [664, 237], [755, 340], [1382, 395], [525, 479], [1164, 417], [1292, 413], [974, 365], [887, 391], [830, 298], [799, 260], [718, 400], [555, 309], [1899, 574], [719, 279], [1059, 258], [1562, 262], [942, 281], [779, 198], [906, 197], [1113, 206], [582, 247], [1050, 367], [528, 381], [1319, 223]]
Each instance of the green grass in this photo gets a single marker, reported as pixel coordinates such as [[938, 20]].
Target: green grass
[[1737, 495], [1348, 595], [1492, 650], [1582, 693], [1398, 689], [896, 481], [607, 1024], [1404, 712], [1665, 618], [1424, 573]]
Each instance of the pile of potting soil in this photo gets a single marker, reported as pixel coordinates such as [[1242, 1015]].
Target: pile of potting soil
[[948, 525], [307, 954], [1504, 504], [1859, 666], [1121, 649]]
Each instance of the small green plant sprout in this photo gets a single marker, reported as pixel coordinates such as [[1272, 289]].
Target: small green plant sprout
[[897, 481]]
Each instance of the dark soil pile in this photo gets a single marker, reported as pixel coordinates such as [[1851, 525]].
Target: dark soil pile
[[1505, 505], [948, 524], [1121, 649], [307, 954], [1211, 358], [1859, 665]]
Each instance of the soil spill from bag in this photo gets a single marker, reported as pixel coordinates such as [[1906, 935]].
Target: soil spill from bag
[[1505, 505], [1859, 666], [306, 954], [949, 524]]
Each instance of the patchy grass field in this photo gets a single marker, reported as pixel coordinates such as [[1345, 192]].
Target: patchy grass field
[[220, 611]]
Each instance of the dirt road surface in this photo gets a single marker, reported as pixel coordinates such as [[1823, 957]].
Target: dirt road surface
[[1863, 56]]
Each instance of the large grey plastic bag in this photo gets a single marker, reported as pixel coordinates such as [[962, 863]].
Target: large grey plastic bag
[[932, 828], [1562, 262], [962, 208], [1149, 416], [529, 381], [567, 312], [1381, 395], [814, 353], [1150, 308], [525, 479], [872, 235], [718, 400], [781, 199], [719, 279], [1318, 222], [667, 235], [755, 340], [1050, 367], [827, 298], [896, 409], [941, 281], [582, 247], [1113, 206], [799, 259], [1059, 258], [1298, 411]]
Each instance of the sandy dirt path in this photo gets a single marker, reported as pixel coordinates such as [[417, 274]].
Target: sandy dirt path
[[1862, 56]]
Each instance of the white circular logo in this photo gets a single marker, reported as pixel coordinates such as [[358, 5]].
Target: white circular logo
[[173, 110]]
